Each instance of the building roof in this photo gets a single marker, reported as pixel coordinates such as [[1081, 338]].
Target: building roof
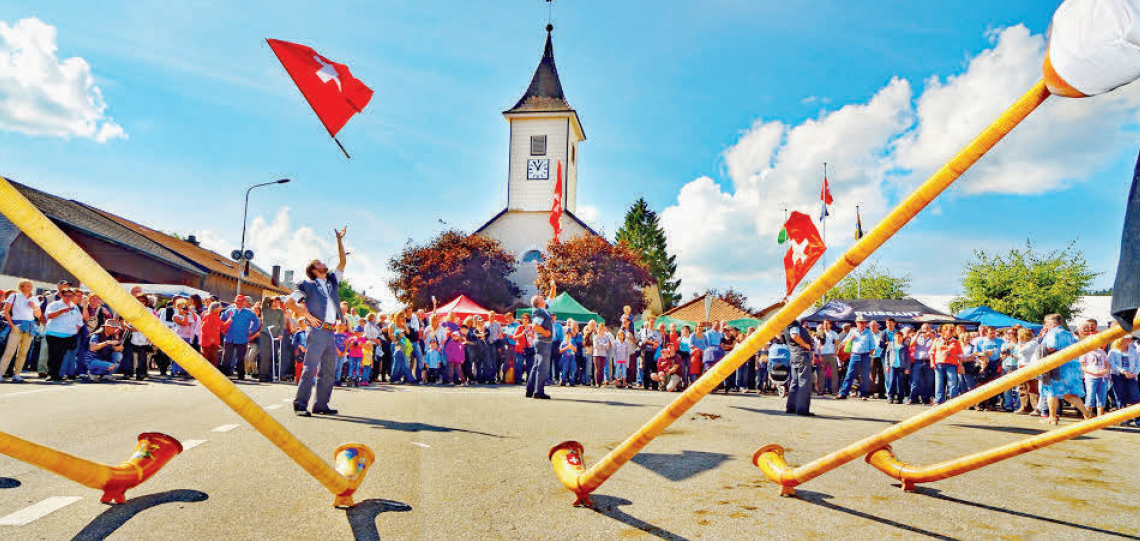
[[545, 91], [94, 223], [202, 258], [564, 213], [694, 310]]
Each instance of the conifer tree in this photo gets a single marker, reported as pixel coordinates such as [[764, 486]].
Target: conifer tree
[[643, 234]]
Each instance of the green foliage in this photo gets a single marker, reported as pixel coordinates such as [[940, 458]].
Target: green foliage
[[732, 296], [870, 281], [643, 234], [355, 300], [1025, 283]]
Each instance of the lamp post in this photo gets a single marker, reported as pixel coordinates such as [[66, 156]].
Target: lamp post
[[244, 215]]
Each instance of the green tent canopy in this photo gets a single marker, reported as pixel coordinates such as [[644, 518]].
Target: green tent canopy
[[565, 307], [666, 320], [743, 324]]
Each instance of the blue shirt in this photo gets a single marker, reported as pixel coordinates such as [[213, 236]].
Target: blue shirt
[[779, 354], [434, 358], [698, 342], [712, 339], [1059, 338], [243, 323], [992, 348], [541, 318], [862, 342]]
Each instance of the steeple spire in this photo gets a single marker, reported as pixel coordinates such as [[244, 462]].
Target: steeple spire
[[545, 91]]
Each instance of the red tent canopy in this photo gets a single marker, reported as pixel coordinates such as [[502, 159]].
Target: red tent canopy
[[463, 308]]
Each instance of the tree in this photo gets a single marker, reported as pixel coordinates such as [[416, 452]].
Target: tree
[[603, 277], [355, 300], [1025, 283], [732, 296], [451, 264], [643, 234], [870, 281]]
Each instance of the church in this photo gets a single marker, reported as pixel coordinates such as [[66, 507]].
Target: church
[[544, 131]]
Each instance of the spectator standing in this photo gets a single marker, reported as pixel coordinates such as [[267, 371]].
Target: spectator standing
[[862, 343], [240, 324], [21, 312]]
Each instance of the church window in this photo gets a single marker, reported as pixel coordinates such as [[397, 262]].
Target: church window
[[533, 256], [538, 145], [573, 153]]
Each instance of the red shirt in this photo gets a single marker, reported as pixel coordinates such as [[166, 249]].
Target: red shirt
[[946, 351], [211, 329], [521, 342]]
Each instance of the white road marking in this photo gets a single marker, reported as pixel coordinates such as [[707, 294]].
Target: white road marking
[[34, 391], [286, 399], [225, 428], [273, 407], [190, 444], [37, 511], [419, 444]]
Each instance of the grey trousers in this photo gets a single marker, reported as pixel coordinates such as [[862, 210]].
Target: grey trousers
[[320, 365], [799, 387], [536, 381]]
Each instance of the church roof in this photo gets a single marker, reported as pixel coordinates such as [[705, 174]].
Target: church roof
[[545, 91], [565, 212]]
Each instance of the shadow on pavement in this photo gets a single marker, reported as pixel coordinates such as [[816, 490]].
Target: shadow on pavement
[[820, 416], [388, 424], [602, 402], [362, 517], [820, 499], [935, 493], [608, 506], [117, 515], [8, 482], [1015, 430], [682, 466]]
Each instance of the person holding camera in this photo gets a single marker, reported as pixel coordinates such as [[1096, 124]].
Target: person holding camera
[[104, 352]]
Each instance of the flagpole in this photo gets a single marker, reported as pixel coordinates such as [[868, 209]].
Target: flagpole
[[341, 147], [823, 222]]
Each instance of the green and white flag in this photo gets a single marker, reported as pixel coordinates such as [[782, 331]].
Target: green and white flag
[[783, 236]]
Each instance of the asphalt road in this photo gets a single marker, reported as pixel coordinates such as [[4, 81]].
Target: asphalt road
[[470, 463]]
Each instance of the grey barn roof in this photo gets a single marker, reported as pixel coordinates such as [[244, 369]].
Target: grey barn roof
[[545, 91]]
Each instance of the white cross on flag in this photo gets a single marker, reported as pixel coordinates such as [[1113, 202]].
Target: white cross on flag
[[556, 205], [805, 247]]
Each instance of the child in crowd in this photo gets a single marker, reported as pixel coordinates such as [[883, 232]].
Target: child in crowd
[[1122, 360], [1010, 402], [300, 338], [453, 349], [567, 363], [366, 362], [355, 347], [434, 361], [1095, 367], [341, 341], [695, 364], [621, 358], [898, 365]]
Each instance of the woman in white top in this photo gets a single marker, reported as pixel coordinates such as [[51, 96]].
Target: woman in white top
[[21, 312], [1026, 353], [602, 342]]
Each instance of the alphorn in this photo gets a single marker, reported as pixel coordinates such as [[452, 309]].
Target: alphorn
[[352, 459], [566, 457], [770, 458]]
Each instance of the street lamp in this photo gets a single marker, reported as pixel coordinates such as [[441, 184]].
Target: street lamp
[[244, 215]]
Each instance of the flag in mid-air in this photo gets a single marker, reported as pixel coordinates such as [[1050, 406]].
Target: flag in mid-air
[[805, 247], [825, 197], [556, 205], [331, 90]]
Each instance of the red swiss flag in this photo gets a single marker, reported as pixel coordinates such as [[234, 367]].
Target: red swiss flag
[[331, 90], [556, 205], [805, 247]]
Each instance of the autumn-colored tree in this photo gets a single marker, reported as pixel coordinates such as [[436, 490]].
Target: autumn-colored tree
[[451, 264], [603, 277]]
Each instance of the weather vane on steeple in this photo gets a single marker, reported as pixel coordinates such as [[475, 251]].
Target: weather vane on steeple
[[549, 15]]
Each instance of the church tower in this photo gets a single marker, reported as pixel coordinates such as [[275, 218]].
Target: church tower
[[544, 129]]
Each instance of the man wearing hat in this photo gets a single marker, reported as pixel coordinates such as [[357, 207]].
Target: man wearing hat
[[104, 352], [862, 343], [802, 347]]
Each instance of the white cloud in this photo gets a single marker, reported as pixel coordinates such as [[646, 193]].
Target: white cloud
[[588, 214], [724, 235], [278, 242], [43, 95]]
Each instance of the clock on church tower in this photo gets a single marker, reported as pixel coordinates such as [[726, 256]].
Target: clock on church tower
[[544, 131]]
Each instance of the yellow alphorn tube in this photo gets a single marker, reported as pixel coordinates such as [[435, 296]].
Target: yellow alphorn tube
[[885, 461], [153, 451], [591, 479], [52, 240], [770, 458]]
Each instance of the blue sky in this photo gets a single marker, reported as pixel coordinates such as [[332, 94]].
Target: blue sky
[[716, 111]]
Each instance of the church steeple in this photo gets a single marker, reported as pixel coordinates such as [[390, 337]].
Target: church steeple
[[545, 90]]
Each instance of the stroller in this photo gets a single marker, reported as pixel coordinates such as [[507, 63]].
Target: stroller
[[779, 366]]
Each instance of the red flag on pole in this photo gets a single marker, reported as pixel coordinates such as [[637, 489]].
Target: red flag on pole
[[805, 247], [331, 90], [825, 194], [556, 205]]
